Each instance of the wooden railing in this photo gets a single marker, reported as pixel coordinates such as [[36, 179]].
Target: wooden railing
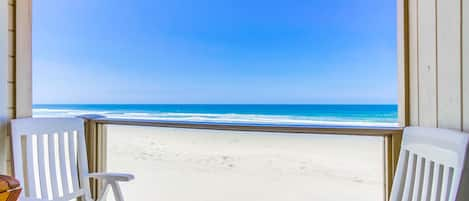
[[97, 139]]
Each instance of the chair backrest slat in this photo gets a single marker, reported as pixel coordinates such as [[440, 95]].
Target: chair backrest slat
[[410, 177], [436, 186], [42, 165], [399, 184], [83, 163], [419, 174], [455, 182], [48, 162], [431, 165], [72, 152], [31, 178], [63, 166], [427, 180], [53, 164], [17, 142], [446, 185]]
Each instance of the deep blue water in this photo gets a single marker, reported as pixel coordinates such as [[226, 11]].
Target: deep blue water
[[347, 115]]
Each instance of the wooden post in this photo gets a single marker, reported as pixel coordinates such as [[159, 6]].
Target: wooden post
[[392, 147], [95, 135], [4, 41], [403, 61], [24, 97]]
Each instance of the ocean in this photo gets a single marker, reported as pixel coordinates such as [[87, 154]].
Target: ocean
[[244, 114]]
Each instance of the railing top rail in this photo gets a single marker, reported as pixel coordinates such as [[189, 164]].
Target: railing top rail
[[294, 129]]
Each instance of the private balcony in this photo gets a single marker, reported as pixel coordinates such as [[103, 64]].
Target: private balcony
[[178, 161]]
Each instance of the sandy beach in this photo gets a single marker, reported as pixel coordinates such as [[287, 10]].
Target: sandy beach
[[201, 165]]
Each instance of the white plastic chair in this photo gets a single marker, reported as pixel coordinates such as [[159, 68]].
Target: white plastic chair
[[50, 160], [432, 166]]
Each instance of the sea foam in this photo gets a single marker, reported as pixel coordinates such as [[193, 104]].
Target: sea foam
[[230, 118]]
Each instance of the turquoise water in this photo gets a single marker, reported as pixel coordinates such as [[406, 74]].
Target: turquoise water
[[322, 115]]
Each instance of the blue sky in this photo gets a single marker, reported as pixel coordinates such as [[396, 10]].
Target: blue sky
[[214, 51]]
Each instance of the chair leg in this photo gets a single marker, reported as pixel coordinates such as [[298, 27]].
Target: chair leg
[[117, 191], [102, 195]]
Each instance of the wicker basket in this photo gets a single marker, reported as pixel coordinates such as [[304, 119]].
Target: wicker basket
[[9, 188]]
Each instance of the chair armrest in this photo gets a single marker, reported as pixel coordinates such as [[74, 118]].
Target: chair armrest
[[112, 176]]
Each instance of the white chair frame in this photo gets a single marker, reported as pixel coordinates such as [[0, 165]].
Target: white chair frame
[[38, 140], [432, 166]]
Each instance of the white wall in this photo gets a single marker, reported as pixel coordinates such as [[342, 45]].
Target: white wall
[[439, 73]]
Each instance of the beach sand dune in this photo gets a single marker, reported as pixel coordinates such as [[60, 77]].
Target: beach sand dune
[[204, 165]]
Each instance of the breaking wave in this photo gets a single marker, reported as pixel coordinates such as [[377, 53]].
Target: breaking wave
[[217, 118]]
